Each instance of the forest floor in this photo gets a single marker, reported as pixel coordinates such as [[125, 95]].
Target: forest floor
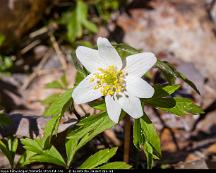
[[183, 33]]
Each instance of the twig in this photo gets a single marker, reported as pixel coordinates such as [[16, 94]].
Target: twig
[[30, 46], [127, 128], [58, 51]]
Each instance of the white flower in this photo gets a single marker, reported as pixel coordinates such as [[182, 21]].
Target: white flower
[[119, 82]]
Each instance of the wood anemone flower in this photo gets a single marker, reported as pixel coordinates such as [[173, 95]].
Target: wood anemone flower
[[119, 82]]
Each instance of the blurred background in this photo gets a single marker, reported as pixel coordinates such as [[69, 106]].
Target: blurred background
[[37, 43]]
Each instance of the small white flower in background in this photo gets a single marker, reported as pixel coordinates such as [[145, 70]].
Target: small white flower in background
[[119, 82]]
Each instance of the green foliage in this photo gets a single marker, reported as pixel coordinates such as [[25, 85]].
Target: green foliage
[[98, 158], [145, 137], [76, 20], [105, 8], [160, 98], [62, 83], [115, 165], [2, 39], [184, 106], [40, 154], [59, 103], [125, 50], [5, 64], [9, 147], [171, 74], [87, 129]]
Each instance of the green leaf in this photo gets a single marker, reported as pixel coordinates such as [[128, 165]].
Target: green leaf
[[60, 84], [184, 106], [138, 136], [25, 158], [9, 148], [80, 75], [2, 39], [101, 107], [164, 90], [87, 129], [150, 134], [50, 99], [145, 137], [115, 165], [50, 129], [59, 104], [98, 158], [5, 63], [73, 27], [125, 50], [90, 26], [149, 154], [4, 120], [49, 156], [55, 84], [160, 102], [32, 145], [171, 74]]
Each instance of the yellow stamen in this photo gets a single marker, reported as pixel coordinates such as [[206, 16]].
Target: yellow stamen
[[109, 81]]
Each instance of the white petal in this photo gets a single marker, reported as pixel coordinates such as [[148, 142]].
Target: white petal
[[84, 92], [90, 58], [131, 105], [138, 87], [108, 53], [140, 63], [113, 109]]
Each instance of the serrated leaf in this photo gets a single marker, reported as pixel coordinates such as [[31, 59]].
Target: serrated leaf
[[60, 84], [170, 73], [160, 102], [87, 129], [9, 148], [149, 154], [138, 136], [184, 106], [57, 106], [49, 156], [51, 129], [32, 145], [25, 158], [50, 99], [164, 90], [115, 165], [145, 137], [150, 134], [98, 158]]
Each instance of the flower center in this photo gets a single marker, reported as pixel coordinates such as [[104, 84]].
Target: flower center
[[109, 81]]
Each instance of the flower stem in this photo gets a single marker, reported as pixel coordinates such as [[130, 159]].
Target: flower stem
[[127, 128]]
